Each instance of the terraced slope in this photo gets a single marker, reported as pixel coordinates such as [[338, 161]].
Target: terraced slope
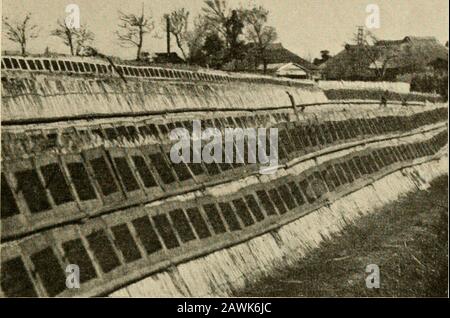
[[87, 179]]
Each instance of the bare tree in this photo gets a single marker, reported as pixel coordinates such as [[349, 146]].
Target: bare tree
[[75, 39], [67, 34], [83, 38], [132, 30], [179, 27], [21, 32], [258, 33]]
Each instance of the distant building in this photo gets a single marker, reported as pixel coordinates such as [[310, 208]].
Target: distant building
[[277, 54], [392, 59], [280, 61], [290, 70]]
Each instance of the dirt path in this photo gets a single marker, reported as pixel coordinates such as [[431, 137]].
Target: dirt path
[[408, 240]]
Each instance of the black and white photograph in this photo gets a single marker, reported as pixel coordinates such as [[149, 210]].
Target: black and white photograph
[[224, 149]]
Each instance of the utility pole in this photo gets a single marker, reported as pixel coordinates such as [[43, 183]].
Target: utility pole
[[168, 35], [360, 36]]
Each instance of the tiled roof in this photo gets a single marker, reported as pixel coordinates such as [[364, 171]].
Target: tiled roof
[[277, 54]]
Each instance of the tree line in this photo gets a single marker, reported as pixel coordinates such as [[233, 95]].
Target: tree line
[[218, 36]]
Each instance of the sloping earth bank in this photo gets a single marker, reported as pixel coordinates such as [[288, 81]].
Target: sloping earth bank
[[408, 240]]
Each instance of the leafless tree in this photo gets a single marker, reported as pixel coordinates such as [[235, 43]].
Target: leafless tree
[[75, 39], [84, 37], [67, 34], [132, 30], [258, 33], [179, 27], [21, 32]]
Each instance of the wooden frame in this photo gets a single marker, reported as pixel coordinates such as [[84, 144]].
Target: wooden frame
[[115, 154], [114, 197]]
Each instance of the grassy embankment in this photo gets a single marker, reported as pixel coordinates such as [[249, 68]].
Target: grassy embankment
[[408, 240]]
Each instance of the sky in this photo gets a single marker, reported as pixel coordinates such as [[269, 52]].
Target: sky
[[304, 26]]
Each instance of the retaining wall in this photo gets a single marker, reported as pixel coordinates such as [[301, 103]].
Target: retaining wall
[[94, 186]]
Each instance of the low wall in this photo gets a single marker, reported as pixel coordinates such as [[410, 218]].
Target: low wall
[[377, 95], [396, 87]]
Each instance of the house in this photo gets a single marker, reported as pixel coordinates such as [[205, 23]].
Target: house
[[277, 54], [290, 70], [282, 62], [387, 59]]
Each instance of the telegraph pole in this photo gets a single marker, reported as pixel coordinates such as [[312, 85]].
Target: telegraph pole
[[168, 34]]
